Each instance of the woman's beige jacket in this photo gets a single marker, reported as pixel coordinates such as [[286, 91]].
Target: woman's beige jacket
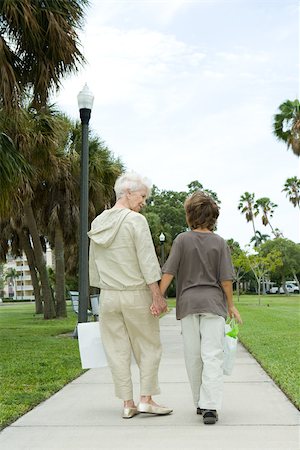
[[122, 254]]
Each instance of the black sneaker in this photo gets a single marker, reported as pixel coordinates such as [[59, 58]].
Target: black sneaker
[[210, 416], [199, 411]]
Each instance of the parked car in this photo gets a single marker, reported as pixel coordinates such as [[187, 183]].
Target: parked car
[[290, 287]]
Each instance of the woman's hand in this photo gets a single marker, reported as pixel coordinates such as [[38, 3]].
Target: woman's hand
[[159, 305]]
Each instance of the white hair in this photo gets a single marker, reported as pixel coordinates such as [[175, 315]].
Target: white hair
[[131, 181]]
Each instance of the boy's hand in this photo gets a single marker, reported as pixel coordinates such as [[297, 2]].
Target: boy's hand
[[233, 312]]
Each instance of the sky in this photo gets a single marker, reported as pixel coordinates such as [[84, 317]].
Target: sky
[[186, 90]]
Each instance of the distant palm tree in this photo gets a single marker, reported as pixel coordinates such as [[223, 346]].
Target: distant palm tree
[[11, 276], [267, 207], [292, 189], [286, 125], [259, 238], [246, 206]]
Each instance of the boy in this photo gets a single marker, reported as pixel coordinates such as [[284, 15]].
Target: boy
[[201, 262]]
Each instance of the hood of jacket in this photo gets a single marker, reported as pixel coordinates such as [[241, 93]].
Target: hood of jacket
[[106, 226]]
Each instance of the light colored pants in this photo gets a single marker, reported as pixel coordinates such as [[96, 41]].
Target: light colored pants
[[203, 340], [128, 326]]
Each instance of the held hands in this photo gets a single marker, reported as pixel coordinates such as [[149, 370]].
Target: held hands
[[159, 305], [233, 312]]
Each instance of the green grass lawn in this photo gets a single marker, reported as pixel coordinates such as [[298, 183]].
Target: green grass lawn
[[37, 359], [270, 332]]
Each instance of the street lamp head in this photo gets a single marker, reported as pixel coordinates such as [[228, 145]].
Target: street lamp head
[[162, 237], [85, 98]]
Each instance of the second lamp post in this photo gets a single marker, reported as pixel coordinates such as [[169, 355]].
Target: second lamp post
[[162, 239]]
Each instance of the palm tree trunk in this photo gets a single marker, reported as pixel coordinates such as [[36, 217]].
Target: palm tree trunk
[[254, 230], [272, 228], [49, 310], [26, 245], [61, 308]]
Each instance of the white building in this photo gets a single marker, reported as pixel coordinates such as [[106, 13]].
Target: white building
[[19, 285]]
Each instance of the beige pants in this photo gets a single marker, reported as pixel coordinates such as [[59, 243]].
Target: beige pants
[[128, 326]]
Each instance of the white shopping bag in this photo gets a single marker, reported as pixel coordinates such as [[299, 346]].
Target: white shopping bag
[[230, 347], [90, 345]]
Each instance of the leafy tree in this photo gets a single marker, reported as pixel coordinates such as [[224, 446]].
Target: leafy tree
[[289, 254], [292, 190], [286, 125], [262, 265], [195, 186], [168, 207], [240, 263]]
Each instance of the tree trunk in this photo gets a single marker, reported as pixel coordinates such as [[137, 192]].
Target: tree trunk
[[49, 310], [296, 279], [272, 229], [264, 285], [26, 245], [284, 286], [61, 307], [256, 238], [258, 283]]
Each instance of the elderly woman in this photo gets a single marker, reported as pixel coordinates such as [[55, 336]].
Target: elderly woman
[[123, 264]]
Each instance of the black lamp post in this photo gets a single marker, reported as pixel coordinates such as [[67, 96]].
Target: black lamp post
[[162, 239], [85, 103]]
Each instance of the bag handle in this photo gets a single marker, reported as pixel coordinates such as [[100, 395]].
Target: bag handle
[[234, 328]]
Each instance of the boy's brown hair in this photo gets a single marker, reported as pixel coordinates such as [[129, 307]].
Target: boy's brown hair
[[201, 211]]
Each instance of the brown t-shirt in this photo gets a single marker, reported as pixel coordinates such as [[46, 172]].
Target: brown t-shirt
[[199, 261]]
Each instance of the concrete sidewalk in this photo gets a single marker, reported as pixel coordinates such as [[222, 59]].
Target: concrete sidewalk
[[85, 415]]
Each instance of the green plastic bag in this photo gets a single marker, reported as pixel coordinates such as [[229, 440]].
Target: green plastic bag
[[234, 329]]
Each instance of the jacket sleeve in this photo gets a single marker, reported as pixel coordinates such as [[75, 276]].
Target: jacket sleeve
[[93, 271], [145, 250]]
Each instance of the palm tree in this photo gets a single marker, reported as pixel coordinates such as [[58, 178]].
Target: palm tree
[[259, 238], [292, 189], [57, 199], [286, 125], [36, 136], [11, 276], [246, 206], [14, 238], [13, 166], [38, 46], [265, 205]]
